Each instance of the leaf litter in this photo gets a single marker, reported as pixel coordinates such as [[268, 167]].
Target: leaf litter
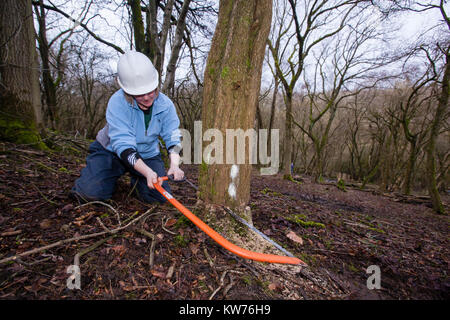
[[339, 234]]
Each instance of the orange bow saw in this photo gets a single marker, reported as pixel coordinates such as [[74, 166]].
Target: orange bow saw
[[247, 254]]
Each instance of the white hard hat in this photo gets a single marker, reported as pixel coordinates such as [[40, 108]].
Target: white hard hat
[[137, 75]]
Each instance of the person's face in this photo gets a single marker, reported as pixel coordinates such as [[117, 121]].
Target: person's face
[[145, 101]]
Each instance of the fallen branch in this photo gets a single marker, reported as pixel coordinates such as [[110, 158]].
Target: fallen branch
[[102, 225], [103, 204], [43, 196], [39, 164], [83, 237], [76, 259], [10, 233]]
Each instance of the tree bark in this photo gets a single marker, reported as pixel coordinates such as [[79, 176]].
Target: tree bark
[[231, 88], [287, 141], [272, 111], [169, 81], [138, 27], [47, 80], [20, 103]]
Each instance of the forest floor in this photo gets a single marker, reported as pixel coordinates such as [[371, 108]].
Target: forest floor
[[162, 255]]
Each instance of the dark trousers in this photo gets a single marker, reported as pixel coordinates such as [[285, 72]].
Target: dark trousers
[[98, 179]]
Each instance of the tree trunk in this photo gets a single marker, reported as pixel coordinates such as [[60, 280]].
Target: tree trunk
[[231, 89], [138, 27], [287, 142], [272, 111], [20, 103], [159, 59], [47, 80], [410, 166], [431, 146], [169, 81]]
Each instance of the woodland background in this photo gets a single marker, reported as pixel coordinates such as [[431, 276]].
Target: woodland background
[[348, 97]]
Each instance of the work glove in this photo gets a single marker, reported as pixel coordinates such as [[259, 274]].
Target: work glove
[[174, 169]]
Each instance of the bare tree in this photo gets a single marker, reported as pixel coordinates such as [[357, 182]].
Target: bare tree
[[20, 103], [336, 80], [93, 87], [152, 39], [441, 45], [52, 61], [313, 22], [413, 107]]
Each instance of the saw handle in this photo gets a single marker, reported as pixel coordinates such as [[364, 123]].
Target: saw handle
[[247, 254], [171, 178]]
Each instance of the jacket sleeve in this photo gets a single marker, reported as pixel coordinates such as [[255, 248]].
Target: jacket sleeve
[[170, 131], [121, 132]]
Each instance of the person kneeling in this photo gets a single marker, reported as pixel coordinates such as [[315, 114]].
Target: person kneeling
[[136, 116]]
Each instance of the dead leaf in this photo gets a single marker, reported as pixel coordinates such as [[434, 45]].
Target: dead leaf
[[194, 248], [158, 274], [170, 222], [170, 272], [274, 286], [67, 207], [120, 249], [86, 216], [45, 224], [78, 223], [291, 235]]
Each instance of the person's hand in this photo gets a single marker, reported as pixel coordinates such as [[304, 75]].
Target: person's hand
[[152, 178], [178, 174]]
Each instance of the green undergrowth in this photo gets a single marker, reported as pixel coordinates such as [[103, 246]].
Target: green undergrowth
[[341, 185], [300, 220], [270, 192], [18, 132]]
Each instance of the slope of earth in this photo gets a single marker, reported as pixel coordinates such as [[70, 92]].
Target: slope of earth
[[341, 233], [126, 249]]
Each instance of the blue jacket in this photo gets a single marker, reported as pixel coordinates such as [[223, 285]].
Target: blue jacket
[[125, 127]]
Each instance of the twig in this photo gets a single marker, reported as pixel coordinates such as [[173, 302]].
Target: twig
[[10, 233], [242, 262], [222, 278], [220, 286], [39, 153], [211, 263], [170, 271], [43, 196], [228, 288], [33, 263], [152, 246], [104, 204], [102, 225], [22, 202], [111, 289], [132, 189], [76, 259], [39, 163], [87, 236], [163, 223]]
